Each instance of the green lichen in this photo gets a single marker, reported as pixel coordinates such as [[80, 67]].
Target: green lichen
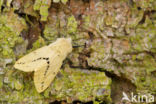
[[87, 85], [37, 4], [8, 3], [146, 4], [39, 43], [100, 53], [1, 3], [1, 82], [10, 28], [73, 84], [71, 25], [144, 39], [86, 21], [144, 78], [17, 90], [64, 1], [61, 27], [9, 33], [44, 9], [18, 85], [51, 32], [135, 18], [58, 27], [42, 6], [128, 57], [109, 20], [29, 8], [144, 83], [56, 1]]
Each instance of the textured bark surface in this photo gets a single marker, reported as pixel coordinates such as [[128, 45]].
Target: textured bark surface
[[115, 48]]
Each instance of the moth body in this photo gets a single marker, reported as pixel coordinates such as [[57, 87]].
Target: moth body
[[45, 62]]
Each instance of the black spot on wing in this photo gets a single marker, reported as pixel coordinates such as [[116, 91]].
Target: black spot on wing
[[41, 58], [46, 58], [42, 85], [21, 63], [46, 70]]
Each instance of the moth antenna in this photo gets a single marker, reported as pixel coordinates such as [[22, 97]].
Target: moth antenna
[[77, 46]]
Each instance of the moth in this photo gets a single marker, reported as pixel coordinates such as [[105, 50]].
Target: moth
[[45, 62]]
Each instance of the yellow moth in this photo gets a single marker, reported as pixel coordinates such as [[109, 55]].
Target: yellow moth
[[45, 62]]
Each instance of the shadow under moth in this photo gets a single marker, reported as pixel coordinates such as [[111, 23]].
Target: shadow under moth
[[45, 62]]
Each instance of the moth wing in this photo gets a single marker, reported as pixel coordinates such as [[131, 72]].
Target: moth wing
[[46, 74], [33, 60]]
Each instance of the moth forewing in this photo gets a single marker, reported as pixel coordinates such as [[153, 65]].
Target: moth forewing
[[45, 75], [33, 60]]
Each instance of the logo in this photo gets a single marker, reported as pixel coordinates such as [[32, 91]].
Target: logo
[[138, 98]]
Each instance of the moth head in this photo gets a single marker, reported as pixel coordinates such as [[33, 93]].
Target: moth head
[[69, 40], [67, 43], [64, 45]]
